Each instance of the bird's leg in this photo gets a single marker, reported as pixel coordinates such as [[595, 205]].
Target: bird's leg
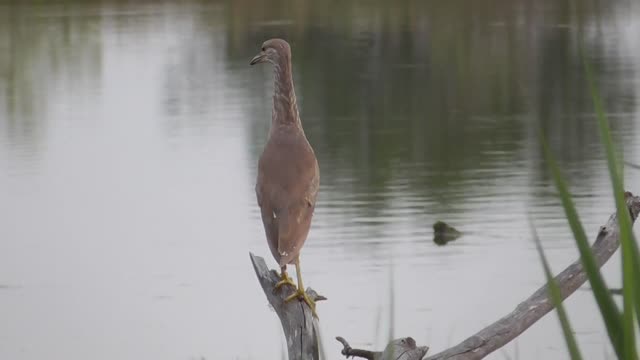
[[300, 293], [284, 278]]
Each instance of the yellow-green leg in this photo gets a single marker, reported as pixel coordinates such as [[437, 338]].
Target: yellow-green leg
[[300, 293], [284, 278]]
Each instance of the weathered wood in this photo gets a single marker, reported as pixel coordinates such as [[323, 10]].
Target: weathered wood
[[539, 304], [398, 349], [298, 323], [347, 351]]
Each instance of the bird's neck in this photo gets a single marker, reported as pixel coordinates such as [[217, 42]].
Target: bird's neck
[[285, 107]]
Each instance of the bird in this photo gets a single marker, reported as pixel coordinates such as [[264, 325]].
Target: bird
[[288, 175]]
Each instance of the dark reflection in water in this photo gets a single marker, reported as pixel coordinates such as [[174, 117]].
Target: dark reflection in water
[[441, 92], [129, 135]]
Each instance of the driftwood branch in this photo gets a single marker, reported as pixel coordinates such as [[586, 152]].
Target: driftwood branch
[[632, 165], [365, 354], [398, 349], [539, 304], [298, 323], [526, 313]]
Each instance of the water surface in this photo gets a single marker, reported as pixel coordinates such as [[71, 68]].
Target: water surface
[[129, 138]]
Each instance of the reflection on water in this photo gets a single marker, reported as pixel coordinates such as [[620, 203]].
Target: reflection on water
[[129, 136]]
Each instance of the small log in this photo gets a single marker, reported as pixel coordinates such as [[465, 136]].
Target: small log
[[398, 349], [539, 304], [443, 233], [299, 325]]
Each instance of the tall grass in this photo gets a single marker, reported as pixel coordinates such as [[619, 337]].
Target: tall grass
[[620, 325], [556, 297]]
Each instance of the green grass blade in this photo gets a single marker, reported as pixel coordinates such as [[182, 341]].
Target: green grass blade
[[624, 221], [391, 309], [556, 297], [636, 275], [608, 308], [392, 304]]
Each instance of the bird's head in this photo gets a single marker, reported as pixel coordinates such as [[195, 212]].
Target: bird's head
[[273, 51]]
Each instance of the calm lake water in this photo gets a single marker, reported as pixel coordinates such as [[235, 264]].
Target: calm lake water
[[129, 139]]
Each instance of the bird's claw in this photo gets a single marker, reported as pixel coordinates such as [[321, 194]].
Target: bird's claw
[[285, 280], [301, 295]]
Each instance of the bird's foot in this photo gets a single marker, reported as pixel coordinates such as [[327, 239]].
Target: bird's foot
[[301, 295], [285, 280]]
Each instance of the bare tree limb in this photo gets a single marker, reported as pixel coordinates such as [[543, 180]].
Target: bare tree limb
[[616, 291], [348, 351], [398, 349], [539, 304], [632, 165], [298, 323]]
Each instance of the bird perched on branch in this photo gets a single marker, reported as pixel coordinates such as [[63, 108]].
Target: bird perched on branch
[[288, 173]]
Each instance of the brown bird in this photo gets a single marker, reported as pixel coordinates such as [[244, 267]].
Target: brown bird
[[288, 173]]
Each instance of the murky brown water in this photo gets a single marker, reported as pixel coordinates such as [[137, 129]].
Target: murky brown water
[[129, 136]]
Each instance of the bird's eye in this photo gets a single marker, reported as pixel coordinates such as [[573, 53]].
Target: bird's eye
[[263, 48]]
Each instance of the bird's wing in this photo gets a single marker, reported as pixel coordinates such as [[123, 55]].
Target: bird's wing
[[269, 220], [288, 180], [293, 226], [294, 220]]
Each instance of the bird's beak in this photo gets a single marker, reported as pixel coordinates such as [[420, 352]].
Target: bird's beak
[[258, 58]]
